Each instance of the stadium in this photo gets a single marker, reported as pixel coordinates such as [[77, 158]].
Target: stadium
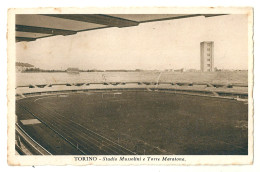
[[129, 113]]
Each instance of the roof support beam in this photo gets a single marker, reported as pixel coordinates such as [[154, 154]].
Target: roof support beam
[[19, 39], [172, 18], [34, 29], [213, 15], [182, 17], [97, 19]]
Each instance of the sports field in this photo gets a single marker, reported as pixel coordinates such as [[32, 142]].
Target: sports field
[[139, 122]]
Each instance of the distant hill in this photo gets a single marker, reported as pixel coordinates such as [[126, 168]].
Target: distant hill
[[23, 64]]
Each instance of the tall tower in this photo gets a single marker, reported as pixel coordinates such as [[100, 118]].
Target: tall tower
[[207, 56]]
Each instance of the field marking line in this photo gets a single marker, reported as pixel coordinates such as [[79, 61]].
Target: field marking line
[[86, 128], [111, 142], [199, 95], [53, 129], [146, 143], [89, 137], [95, 139], [44, 97], [47, 96], [103, 137], [96, 133]]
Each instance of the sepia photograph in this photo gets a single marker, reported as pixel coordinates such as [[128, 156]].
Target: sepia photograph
[[113, 86]]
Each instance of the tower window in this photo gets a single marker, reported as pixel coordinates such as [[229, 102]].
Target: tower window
[[208, 65], [208, 54]]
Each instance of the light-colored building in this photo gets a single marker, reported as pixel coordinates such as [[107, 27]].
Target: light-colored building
[[207, 56], [21, 67], [73, 70]]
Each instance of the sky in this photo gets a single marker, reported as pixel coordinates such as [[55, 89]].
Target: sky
[[171, 44]]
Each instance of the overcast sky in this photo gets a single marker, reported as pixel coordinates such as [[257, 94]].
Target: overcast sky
[[171, 44]]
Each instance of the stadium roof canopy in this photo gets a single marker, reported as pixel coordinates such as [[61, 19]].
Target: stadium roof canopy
[[30, 27]]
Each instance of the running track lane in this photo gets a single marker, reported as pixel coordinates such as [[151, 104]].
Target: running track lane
[[87, 141]]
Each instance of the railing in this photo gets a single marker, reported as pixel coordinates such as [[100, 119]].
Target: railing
[[216, 85], [26, 145], [211, 89]]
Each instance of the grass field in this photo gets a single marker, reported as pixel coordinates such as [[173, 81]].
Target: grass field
[[139, 122]]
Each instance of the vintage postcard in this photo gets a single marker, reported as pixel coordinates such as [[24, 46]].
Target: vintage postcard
[[130, 86]]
